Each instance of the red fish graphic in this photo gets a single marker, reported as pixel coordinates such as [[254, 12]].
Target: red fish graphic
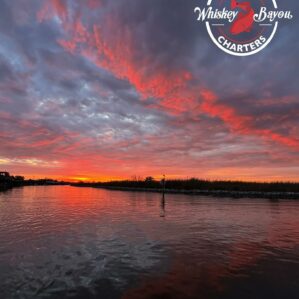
[[244, 20]]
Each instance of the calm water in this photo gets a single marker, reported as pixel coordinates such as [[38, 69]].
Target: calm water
[[66, 242]]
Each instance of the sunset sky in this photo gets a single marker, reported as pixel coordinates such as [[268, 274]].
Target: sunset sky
[[109, 89]]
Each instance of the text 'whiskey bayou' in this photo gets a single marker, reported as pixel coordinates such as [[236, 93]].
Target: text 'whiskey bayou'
[[241, 28]]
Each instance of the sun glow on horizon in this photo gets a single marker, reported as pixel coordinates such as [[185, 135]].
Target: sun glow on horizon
[[214, 177]]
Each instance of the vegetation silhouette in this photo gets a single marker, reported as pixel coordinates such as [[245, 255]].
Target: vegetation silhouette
[[270, 190], [8, 181]]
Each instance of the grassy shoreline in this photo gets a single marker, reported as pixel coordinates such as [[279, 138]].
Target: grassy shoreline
[[205, 188], [232, 189]]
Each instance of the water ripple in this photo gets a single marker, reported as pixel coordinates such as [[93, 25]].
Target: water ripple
[[65, 242]]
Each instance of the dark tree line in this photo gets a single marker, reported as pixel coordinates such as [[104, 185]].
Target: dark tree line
[[198, 184]]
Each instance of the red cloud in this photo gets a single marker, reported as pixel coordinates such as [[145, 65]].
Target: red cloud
[[241, 123], [51, 8], [114, 47]]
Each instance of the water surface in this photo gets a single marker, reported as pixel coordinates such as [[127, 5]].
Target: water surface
[[67, 242]]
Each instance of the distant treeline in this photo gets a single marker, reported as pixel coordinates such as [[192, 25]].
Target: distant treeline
[[198, 184], [8, 181]]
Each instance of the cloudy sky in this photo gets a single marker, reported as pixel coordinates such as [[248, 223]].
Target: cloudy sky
[[105, 89]]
